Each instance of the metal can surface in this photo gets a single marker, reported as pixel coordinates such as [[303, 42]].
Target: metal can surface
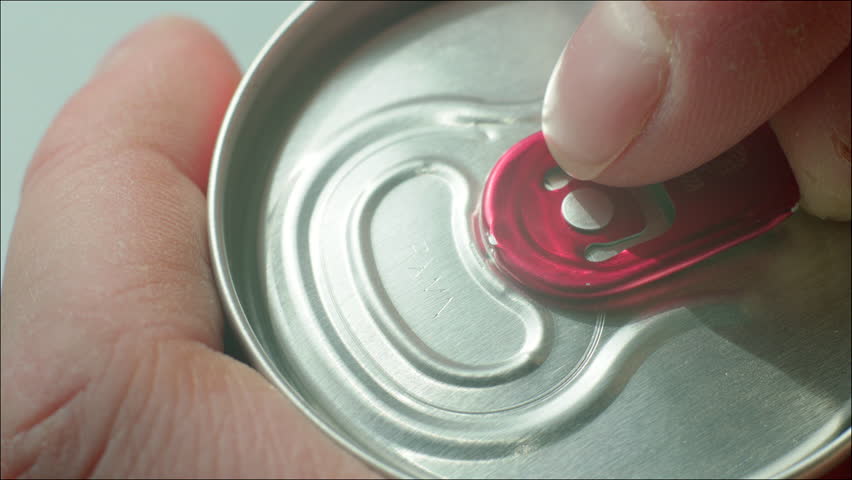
[[343, 187]]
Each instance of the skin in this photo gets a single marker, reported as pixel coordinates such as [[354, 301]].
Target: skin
[[647, 91], [112, 329], [112, 362]]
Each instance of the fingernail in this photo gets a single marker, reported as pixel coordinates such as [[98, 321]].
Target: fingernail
[[605, 87]]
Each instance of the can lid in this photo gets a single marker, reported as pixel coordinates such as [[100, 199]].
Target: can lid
[[342, 199]]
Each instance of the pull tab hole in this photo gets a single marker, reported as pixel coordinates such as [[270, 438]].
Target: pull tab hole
[[555, 179], [659, 212]]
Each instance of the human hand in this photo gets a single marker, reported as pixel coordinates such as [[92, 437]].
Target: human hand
[[111, 324], [650, 90]]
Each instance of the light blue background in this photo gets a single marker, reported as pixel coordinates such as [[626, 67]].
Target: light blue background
[[49, 50]]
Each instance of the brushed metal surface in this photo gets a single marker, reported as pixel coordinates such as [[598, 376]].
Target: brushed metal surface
[[341, 201]]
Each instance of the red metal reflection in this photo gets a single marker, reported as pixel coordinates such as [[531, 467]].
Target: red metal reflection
[[737, 196]]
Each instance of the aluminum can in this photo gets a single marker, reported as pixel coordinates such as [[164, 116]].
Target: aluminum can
[[345, 239]]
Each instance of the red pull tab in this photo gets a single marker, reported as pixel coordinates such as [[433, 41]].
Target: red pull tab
[[574, 239]]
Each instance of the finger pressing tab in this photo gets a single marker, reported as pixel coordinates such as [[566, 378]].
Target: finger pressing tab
[[646, 91], [605, 87]]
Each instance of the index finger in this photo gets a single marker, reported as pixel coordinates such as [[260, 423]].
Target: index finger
[[646, 91]]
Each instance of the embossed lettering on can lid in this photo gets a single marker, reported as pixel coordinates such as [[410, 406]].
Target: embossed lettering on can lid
[[354, 266]]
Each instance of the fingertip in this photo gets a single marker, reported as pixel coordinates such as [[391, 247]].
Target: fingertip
[[814, 132], [193, 61], [647, 91], [184, 33], [605, 87], [165, 85]]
